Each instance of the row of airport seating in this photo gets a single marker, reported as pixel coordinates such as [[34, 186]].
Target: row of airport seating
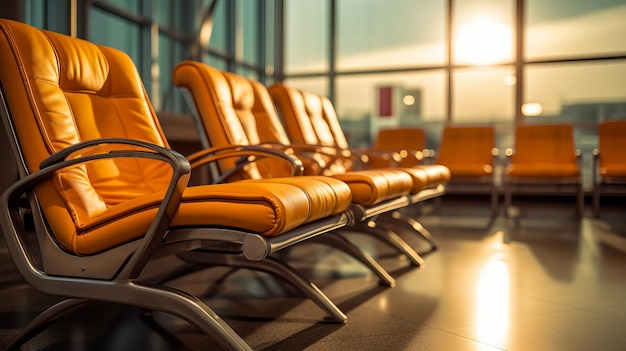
[[544, 158], [92, 194]]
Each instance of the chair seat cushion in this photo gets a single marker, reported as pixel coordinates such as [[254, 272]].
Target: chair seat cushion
[[470, 170], [266, 207], [419, 177], [370, 187], [437, 174], [545, 170]]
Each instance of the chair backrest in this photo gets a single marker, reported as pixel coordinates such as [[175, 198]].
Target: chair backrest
[[402, 140], [61, 91], [330, 116], [233, 110], [467, 151], [311, 119], [612, 148], [308, 117], [292, 108], [544, 144], [314, 115]]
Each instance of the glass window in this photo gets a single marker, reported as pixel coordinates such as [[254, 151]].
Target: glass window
[[164, 13], [247, 73], [306, 35], [114, 31], [170, 54], [248, 27], [587, 92], [560, 28], [392, 33], [186, 15], [483, 31], [132, 6], [416, 98], [34, 13], [317, 85], [217, 62], [219, 35], [270, 35], [483, 94]]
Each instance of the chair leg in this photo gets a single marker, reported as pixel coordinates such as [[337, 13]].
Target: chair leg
[[507, 198], [596, 200], [392, 239], [494, 200], [152, 297], [185, 306], [338, 241], [580, 205], [275, 267], [401, 222]]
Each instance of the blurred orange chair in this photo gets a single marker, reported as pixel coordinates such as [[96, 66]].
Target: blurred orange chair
[[609, 161], [408, 142], [470, 154], [544, 156]]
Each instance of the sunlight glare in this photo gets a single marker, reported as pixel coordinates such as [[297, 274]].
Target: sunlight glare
[[492, 306], [483, 41]]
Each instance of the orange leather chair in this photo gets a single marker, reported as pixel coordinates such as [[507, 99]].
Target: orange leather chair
[[408, 142], [544, 156], [609, 161], [470, 155], [107, 195], [306, 123], [235, 110]]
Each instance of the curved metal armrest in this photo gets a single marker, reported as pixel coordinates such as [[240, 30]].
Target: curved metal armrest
[[70, 157], [359, 156], [246, 154], [311, 151], [89, 147], [327, 150]]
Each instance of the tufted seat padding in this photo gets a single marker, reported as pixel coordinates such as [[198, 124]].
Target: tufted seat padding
[[371, 187]]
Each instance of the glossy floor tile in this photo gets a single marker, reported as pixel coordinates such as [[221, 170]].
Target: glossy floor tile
[[542, 280]]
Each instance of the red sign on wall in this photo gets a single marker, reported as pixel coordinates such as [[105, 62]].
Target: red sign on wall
[[385, 106]]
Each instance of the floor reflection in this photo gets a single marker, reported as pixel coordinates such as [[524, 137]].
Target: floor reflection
[[492, 301]]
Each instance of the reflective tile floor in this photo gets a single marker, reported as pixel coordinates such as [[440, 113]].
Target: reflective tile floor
[[543, 280]]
